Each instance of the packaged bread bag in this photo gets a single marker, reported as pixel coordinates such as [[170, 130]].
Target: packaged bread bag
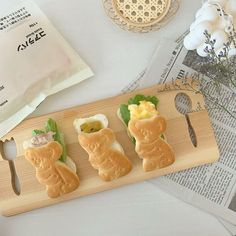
[[35, 62]]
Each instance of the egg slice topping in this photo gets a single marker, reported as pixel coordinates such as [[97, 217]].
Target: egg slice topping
[[142, 111]]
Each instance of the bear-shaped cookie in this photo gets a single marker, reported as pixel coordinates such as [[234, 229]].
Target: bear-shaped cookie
[[155, 152], [109, 160], [57, 176]]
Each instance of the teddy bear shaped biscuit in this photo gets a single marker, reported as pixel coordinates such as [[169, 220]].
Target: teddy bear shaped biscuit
[[109, 160], [154, 150], [56, 175]]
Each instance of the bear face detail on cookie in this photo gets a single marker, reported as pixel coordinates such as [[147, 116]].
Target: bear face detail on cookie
[[146, 128], [154, 150], [57, 176], [105, 154], [46, 152]]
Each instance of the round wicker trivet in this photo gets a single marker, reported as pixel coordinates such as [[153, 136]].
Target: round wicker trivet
[[141, 15]]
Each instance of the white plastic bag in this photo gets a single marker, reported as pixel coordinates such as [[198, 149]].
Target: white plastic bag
[[35, 62]]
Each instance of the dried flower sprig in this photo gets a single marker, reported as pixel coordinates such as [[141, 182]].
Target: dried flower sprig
[[220, 67], [216, 77], [198, 83]]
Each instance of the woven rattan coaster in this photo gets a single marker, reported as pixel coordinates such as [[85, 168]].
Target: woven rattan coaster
[[141, 15], [141, 12]]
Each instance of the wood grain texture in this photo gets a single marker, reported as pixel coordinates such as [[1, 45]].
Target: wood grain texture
[[33, 194]]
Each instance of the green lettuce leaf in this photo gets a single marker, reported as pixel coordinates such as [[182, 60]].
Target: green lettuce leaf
[[140, 97], [37, 131], [51, 125], [125, 113]]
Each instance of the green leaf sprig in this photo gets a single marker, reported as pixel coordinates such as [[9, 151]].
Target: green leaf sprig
[[51, 126]]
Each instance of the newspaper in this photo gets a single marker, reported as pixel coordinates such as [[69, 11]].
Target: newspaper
[[230, 227], [210, 187]]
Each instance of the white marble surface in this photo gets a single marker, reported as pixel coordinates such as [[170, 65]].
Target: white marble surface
[[116, 57]]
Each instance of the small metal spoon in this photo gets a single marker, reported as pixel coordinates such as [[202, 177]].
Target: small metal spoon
[[5, 152]]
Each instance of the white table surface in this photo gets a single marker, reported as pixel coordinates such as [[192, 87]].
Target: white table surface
[[116, 57]]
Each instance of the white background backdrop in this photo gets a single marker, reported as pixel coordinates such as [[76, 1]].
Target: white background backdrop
[[117, 57]]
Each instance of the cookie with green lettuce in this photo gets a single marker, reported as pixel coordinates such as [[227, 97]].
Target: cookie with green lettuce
[[143, 106], [49, 133]]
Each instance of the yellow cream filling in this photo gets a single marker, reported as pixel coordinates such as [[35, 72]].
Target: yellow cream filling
[[142, 111], [90, 127]]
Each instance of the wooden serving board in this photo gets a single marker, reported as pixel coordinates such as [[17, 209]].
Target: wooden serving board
[[33, 194]]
